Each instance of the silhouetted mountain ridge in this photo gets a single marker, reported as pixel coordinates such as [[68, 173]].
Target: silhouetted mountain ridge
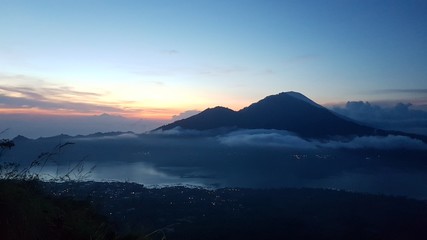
[[210, 118], [290, 111]]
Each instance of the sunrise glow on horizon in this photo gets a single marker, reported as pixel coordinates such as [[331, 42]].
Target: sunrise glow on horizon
[[156, 59]]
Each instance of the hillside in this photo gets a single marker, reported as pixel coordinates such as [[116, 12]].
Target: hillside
[[27, 213]]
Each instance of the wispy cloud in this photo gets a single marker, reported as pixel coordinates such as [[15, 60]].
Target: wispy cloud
[[19, 93], [101, 137], [24, 92], [171, 52], [31, 87], [178, 131], [265, 138], [267, 71]]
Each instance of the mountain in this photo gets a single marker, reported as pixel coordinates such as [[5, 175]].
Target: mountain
[[211, 118], [290, 111]]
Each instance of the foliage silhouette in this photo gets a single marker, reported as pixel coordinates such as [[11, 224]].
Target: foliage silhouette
[[28, 213]]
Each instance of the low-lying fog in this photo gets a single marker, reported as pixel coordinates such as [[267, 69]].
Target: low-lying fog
[[393, 165]]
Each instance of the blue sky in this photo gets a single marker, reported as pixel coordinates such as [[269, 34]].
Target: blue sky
[[155, 59]]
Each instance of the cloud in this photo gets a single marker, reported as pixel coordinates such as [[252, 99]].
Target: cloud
[[41, 91], [398, 117], [267, 71], [171, 52], [178, 131], [284, 139], [377, 142], [265, 138], [101, 137], [185, 114], [417, 96], [24, 92], [30, 87], [41, 103]]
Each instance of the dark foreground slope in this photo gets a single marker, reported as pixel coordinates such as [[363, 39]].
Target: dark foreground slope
[[233, 213], [26, 213], [288, 111]]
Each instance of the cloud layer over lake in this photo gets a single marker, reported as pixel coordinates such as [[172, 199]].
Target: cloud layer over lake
[[284, 139]]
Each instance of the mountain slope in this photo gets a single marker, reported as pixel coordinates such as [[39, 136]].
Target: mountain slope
[[210, 118], [284, 111], [289, 111]]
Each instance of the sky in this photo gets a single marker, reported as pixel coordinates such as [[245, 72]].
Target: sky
[[156, 59]]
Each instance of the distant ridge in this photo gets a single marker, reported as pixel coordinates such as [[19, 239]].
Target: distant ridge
[[290, 111]]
